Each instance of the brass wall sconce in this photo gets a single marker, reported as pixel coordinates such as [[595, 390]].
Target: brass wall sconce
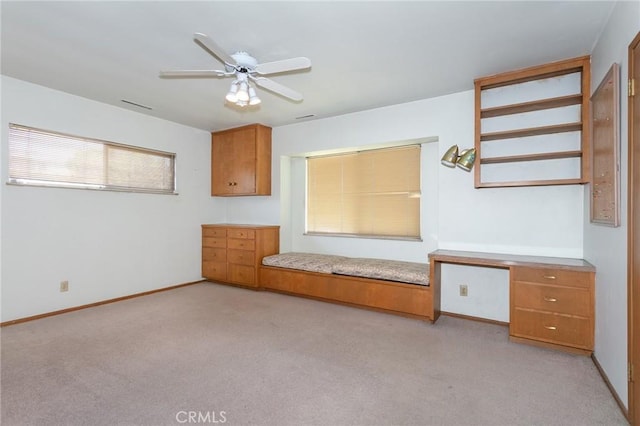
[[464, 160]]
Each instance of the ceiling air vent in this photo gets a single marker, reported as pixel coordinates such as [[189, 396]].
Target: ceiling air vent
[[135, 104]]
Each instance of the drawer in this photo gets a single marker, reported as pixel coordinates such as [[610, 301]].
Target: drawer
[[552, 276], [214, 242], [247, 234], [566, 300], [242, 274], [214, 270], [552, 328], [242, 257], [241, 244], [215, 254], [281, 280], [214, 232]]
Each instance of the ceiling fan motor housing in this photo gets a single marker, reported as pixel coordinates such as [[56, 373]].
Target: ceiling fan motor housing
[[245, 62]]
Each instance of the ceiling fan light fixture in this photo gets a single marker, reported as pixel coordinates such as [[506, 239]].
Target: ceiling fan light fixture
[[253, 97], [232, 96], [243, 92]]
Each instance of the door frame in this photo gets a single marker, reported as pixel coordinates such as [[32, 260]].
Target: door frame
[[633, 230]]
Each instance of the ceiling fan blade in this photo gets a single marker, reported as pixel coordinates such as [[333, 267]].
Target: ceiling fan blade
[[194, 73], [278, 88], [284, 65], [211, 46]]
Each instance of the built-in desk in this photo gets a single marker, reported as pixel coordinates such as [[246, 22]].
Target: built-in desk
[[551, 299]]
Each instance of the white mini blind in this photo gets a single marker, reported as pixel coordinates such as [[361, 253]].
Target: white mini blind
[[40, 157], [365, 193]]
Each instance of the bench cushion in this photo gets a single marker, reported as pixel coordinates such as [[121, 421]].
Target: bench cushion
[[304, 261], [391, 270]]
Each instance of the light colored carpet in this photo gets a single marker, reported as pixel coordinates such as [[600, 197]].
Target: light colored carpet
[[265, 358]]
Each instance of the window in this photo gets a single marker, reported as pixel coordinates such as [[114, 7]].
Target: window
[[40, 157], [373, 193]]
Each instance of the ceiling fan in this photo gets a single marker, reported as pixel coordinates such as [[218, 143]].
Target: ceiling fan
[[246, 69]]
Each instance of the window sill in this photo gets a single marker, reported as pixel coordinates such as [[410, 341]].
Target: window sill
[[88, 187], [363, 236]]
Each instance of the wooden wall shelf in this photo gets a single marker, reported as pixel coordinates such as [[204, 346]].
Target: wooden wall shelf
[[538, 105], [531, 183], [530, 149], [532, 157], [531, 131]]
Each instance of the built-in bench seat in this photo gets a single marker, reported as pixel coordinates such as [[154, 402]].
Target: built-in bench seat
[[390, 285]]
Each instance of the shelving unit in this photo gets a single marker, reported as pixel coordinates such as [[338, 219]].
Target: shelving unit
[[522, 138]]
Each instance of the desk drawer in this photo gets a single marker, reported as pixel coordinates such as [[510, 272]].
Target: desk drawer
[[553, 328], [551, 276], [566, 300]]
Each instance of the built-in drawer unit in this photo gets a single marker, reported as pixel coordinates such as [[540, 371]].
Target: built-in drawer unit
[[232, 253], [553, 306]]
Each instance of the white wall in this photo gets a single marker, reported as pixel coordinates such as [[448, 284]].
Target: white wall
[[106, 244], [606, 247], [533, 220]]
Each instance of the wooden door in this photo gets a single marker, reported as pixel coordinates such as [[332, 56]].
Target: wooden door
[[244, 161], [634, 233], [222, 164]]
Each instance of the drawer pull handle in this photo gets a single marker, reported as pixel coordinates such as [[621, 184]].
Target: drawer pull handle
[[550, 277], [550, 299], [550, 327]]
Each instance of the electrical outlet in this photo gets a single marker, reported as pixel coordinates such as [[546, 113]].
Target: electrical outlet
[[64, 286], [464, 290]]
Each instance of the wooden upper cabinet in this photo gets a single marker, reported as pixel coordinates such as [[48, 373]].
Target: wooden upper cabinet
[[241, 161]]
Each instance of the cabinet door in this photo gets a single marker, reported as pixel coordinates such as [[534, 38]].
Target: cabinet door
[[222, 157], [243, 175]]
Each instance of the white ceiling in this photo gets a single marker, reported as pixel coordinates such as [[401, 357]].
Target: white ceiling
[[364, 54]]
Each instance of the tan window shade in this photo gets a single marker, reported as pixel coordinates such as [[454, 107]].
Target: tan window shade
[[366, 193], [39, 157]]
